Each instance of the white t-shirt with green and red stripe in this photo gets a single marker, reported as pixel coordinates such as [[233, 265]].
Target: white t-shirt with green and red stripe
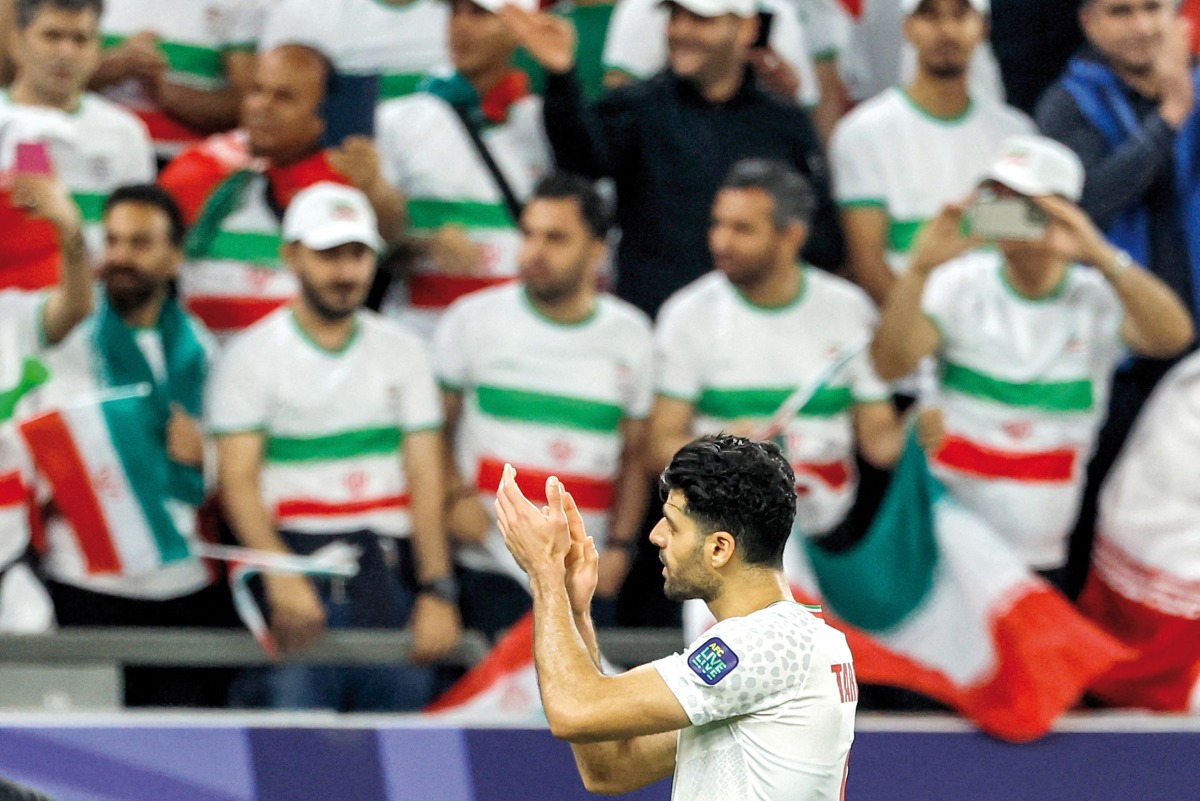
[[735, 361], [891, 154], [195, 36], [94, 149], [333, 422], [399, 42], [429, 157], [1024, 386], [546, 397]]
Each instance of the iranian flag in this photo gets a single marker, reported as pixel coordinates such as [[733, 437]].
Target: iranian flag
[[112, 487], [501, 688], [1144, 585], [932, 600]]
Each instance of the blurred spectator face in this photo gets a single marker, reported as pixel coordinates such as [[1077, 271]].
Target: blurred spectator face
[[1127, 32], [705, 49], [282, 111], [139, 257], [746, 243], [945, 33], [558, 250], [479, 41], [57, 54], [334, 282]]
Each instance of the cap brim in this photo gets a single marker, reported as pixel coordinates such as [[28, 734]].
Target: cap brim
[[1017, 179], [340, 233], [702, 9]]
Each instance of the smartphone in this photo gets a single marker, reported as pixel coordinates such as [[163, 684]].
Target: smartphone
[[1011, 218], [33, 158], [765, 20]]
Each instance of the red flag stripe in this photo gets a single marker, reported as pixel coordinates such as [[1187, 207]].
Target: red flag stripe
[[432, 291], [590, 494], [514, 652], [835, 474], [959, 453], [57, 456], [232, 313], [12, 490], [302, 507]]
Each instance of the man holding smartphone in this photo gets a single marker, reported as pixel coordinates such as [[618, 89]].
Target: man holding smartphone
[[1026, 336]]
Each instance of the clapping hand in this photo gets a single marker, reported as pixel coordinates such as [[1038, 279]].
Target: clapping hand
[[539, 539]]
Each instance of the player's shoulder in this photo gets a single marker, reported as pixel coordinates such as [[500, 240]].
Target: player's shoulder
[[482, 304], [779, 634], [834, 289], [272, 331], [388, 334], [623, 315], [866, 120], [99, 110], [1004, 117], [413, 112], [695, 298]]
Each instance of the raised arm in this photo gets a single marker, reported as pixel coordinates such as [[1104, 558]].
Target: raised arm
[[46, 197], [905, 335], [1157, 323], [628, 722]]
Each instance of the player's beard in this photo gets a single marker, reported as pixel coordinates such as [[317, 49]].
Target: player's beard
[[326, 309], [135, 293], [689, 580]]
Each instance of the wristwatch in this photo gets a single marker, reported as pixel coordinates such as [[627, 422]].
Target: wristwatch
[[446, 588]]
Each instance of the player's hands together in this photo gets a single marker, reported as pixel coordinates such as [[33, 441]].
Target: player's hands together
[[538, 539], [436, 628], [549, 39], [582, 560], [297, 614], [137, 57]]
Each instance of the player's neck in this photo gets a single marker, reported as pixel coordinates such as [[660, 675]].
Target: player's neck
[[571, 310], [748, 592], [330, 335], [23, 94], [779, 288], [1033, 274], [944, 98]]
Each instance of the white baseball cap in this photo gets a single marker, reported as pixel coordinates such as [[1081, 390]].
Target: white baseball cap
[[910, 6], [326, 215], [716, 8], [1036, 165], [495, 5]]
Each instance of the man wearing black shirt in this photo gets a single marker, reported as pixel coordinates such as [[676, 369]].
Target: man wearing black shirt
[[1126, 105], [668, 142]]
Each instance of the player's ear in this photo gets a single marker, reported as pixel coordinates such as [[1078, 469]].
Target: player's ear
[[722, 546]]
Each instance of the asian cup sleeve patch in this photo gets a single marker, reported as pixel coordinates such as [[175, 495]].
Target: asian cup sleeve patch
[[713, 661]]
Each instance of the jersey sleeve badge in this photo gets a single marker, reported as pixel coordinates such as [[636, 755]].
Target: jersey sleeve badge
[[713, 661]]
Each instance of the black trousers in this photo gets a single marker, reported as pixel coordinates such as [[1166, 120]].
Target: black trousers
[[211, 607]]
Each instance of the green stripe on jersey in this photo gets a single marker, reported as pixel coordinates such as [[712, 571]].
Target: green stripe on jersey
[[902, 234], [429, 213], [261, 249], [550, 410], [343, 445], [206, 62], [1049, 396], [91, 205], [399, 84], [731, 404]]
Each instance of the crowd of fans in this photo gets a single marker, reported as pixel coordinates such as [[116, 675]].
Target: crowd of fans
[[199, 196]]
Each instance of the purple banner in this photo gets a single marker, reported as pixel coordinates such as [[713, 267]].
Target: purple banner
[[144, 762]]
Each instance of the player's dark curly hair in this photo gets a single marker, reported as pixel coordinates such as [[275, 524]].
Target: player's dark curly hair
[[736, 485]]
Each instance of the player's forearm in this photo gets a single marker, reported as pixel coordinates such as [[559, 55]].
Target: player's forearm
[[568, 677], [1158, 320], [663, 447], [587, 632], [897, 349], [633, 492], [430, 548], [248, 516], [874, 276], [206, 111], [72, 300], [390, 209]]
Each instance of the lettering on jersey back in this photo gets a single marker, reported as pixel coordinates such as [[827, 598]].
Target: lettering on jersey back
[[847, 682], [713, 661]]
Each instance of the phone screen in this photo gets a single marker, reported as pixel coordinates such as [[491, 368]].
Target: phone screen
[[1011, 218], [33, 158]]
